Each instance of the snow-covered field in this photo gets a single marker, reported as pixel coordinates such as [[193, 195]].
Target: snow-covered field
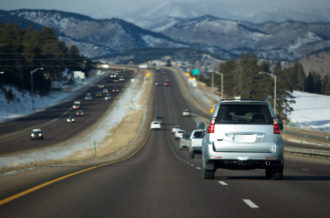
[[21, 105], [311, 111]]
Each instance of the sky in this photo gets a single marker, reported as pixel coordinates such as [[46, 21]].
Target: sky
[[113, 8]]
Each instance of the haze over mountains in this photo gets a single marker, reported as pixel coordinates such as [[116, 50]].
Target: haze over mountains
[[288, 40]]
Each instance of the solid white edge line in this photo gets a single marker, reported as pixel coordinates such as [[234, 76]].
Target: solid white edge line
[[250, 203], [222, 183]]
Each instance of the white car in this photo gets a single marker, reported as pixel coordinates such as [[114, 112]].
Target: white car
[[155, 125], [186, 113], [196, 141], [185, 141], [76, 105], [179, 134], [175, 128]]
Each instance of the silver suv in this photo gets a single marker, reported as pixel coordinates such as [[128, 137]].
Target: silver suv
[[243, 135]]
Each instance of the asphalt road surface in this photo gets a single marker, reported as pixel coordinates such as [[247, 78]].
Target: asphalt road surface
[[15, 134], [162, 181]]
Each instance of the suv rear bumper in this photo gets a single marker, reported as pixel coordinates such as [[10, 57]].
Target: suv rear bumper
[[236, 160]]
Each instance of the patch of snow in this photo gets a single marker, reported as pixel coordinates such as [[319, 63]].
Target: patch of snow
[[311, 111], [128, 101], [301, 41]]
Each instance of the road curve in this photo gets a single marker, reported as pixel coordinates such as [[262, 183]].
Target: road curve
[[162, 181]]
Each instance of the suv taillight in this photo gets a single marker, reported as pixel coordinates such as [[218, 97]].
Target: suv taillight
[[211, 126], [276, 127]]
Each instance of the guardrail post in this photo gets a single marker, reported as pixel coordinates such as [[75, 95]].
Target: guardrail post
[[326, 139], [94, 149]]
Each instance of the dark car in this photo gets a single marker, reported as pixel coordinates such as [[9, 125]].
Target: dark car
[[80, 113], [37, 134]]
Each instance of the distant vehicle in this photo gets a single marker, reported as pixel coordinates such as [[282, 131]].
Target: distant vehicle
[[121, 78], [88, 96], [195, 145], [115, 90], [76, 105], [37, 134], [101, 86], [98, 94], [166, 84], [105, 91], [160, 119], [70, 119], [185, 141], [107, 97], [155, 125], [175, 128], [80, 113], [143, 66], [179, 134], [186, 113], [246, 135], [156, 83]]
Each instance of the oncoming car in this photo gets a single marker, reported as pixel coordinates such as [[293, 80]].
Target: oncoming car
[[80, 112], [70, 119], [243, 135], [37, 134], [76, 105]]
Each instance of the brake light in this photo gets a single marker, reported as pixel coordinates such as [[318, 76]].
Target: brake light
[[276, 127], [211, 126]]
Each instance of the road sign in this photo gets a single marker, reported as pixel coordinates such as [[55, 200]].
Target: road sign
[[195, 72]]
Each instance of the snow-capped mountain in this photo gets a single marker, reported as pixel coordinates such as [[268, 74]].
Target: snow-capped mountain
[[289, 40], [286, 40], [96, 37], [146, 15]]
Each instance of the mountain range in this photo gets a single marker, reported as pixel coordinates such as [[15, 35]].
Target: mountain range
[[288, 40]]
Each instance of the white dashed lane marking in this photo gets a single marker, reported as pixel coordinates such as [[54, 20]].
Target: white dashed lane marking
[[250, 203], [222, 183], [198, 168]]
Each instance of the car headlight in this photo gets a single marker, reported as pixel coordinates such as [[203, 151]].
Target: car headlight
[[40, 134]]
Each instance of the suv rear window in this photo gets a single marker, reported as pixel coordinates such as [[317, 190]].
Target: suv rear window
[[198, 134], [234, 113]]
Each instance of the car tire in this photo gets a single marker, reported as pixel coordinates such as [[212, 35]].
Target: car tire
[[278, 174], [208, 174], [274, 173], [269, 173], [192, 154]]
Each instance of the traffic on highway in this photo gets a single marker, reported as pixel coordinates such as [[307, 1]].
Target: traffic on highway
[[65, 120], [170, 174]]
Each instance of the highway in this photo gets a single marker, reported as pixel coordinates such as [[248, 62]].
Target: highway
[[162, 181], [15, 134]]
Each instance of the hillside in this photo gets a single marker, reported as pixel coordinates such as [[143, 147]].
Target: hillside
[[318, 63]]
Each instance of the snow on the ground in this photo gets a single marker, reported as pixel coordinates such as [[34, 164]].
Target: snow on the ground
[[311, 111], [22, 103], [128, 101]]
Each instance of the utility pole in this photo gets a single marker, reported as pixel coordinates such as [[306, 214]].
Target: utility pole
[[31, 76]]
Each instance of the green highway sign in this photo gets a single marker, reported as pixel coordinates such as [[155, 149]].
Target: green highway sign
[[195, 72]]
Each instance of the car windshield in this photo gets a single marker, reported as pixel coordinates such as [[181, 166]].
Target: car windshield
[[243, 114]]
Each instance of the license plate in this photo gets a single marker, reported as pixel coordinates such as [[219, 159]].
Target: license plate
[[245, 138]]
